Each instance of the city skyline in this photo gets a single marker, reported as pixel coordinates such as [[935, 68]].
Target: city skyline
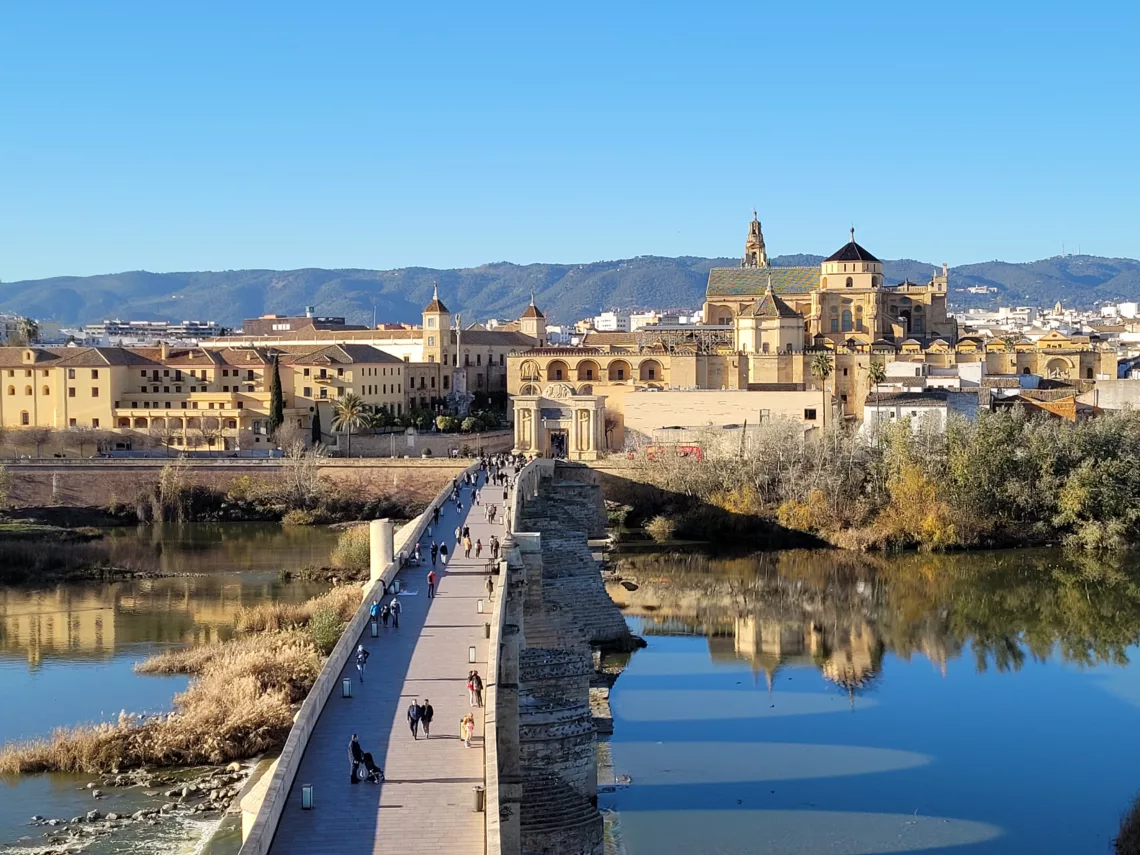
[[280, 137]]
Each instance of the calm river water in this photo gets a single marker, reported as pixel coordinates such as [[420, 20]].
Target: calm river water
[[66, 651], [818, 704]]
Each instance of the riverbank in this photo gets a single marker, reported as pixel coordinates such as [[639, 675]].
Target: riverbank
[[239, 704]]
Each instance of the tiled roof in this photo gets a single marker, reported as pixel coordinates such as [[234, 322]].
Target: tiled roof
[[749, 281], [927, 398], [851, 251], [601, 339], [13, 357], [771, 306], [345, 354], [436, 305], [532, 312]]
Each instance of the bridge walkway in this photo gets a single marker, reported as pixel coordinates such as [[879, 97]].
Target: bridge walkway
[[425, 804]]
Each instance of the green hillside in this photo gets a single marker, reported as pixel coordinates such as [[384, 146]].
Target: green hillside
[[565, 291]]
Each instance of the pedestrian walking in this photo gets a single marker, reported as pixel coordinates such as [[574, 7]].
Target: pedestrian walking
[[467, 729], [426, 715], [361, 660], [470, 688], [466, 531], [458, 533], [435, 515], [431, 584], [490, 586], [477, 686], [385, 613], [355, 757], [414, 712], [434, 552], [416, 554], [396, 607], [374, 610], [478, 547], [466, 547], [443, 555]]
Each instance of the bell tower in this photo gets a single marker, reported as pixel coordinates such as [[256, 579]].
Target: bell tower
[[755, 255], [437, 330], [533, 323]]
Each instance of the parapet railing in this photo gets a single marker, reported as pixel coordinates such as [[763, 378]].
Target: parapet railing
[[260, 836]]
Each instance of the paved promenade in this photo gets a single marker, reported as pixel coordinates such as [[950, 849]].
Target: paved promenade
[[425, 805]]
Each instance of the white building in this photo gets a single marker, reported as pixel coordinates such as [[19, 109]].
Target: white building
[[612, 322], [928, 409]]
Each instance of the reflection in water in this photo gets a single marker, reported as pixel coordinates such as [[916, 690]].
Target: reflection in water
[[67, 651], [974, 699], [79, 620], [842, 612]]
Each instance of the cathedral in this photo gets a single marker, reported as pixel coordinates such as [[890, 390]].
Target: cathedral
[[844, 301]]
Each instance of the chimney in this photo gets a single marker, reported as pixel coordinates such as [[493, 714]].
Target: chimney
[[310, 311], [163, 350]]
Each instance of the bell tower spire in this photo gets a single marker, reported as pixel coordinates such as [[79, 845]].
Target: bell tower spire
[[755, 254]]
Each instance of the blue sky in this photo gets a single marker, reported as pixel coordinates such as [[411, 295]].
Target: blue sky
[[166, 136]]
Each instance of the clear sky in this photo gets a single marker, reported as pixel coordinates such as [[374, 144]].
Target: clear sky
[[192, 136]]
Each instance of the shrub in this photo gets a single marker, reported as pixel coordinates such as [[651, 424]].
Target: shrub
[[353, 549], [300, 516], [343, 600], [324, 629], [661, 528], [1128, 841], [812, 515]]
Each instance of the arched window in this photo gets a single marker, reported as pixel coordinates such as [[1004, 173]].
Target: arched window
[[529, 370], [850, 282], [586, 390], [823, 284], [764, 347], [25, 419], [847, 323], [11, 390], [47, 391], [27, 390]]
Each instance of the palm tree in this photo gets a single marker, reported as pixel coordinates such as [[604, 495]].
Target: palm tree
[[29, 330], [821, 366], [876, 374], [349, 412]]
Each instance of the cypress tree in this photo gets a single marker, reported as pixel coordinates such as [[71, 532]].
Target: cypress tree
[[318, 434], [276, 400]]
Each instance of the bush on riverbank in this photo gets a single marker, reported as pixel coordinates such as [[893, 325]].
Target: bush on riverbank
[[353, 549], [1005, 479], [240, 703], [1128, 841], [273, 617]]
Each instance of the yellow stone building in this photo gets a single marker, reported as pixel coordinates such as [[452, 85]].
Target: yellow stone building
[[190, 398], [764, 326]]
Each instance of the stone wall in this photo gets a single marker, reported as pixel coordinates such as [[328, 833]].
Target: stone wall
[[555, 608], [95, 483]]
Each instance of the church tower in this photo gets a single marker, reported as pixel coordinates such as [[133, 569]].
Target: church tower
[[437, 330], [533, 323], [755, 255]]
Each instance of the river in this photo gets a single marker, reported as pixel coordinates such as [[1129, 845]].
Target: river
[[824, 704], [66, 653]]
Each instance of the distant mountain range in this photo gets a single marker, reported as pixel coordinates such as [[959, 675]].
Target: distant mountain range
[[565, 292]]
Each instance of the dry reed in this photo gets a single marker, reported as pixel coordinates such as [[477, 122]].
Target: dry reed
[[240, 703], [273, 617]]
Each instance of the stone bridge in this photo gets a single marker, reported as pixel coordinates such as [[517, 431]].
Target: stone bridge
[[531, 639]]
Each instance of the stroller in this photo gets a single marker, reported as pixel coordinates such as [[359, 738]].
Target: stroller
[[370, 770]]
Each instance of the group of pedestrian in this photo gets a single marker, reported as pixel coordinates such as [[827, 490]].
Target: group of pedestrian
[[420, 715], [438, 553], [475, 689], [361, 758], [384, 612]]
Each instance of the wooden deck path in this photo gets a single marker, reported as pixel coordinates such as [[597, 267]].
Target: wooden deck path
[[425, 805]]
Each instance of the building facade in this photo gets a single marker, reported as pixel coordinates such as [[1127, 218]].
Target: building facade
[[764, 328]]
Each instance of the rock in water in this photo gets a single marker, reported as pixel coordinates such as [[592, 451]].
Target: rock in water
[[98, 794], [234, 767], [93, 816]]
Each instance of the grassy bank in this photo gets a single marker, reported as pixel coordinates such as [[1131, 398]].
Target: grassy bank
[[240, 703], [1007, 479]]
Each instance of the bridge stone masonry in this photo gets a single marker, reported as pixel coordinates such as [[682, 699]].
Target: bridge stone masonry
[[535, 643]]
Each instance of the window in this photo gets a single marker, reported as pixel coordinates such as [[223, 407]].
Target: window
[[194, 405], [431, 325], [94, 391], [94, 423], [848, 325], [153, 389], [835, 324], [340, 372], [24, 418], [166, 390], [308, 391], [502, 360], [445, 382], [305, 373], [241, 405], [70, 373], [225, 372], [47, 391], [71, 423], [177, 388], [809, 415], [323, 373], [324, 392], [478, 359], [166, 372], [249, 374], [183, 405], [764, 347], [167, 405], [850, 282], [433, 382], [70, 391]]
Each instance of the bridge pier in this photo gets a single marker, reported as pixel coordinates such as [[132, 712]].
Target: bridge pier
[[382, 546]]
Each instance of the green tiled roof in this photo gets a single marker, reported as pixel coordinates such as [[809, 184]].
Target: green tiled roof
[[749, 281]]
